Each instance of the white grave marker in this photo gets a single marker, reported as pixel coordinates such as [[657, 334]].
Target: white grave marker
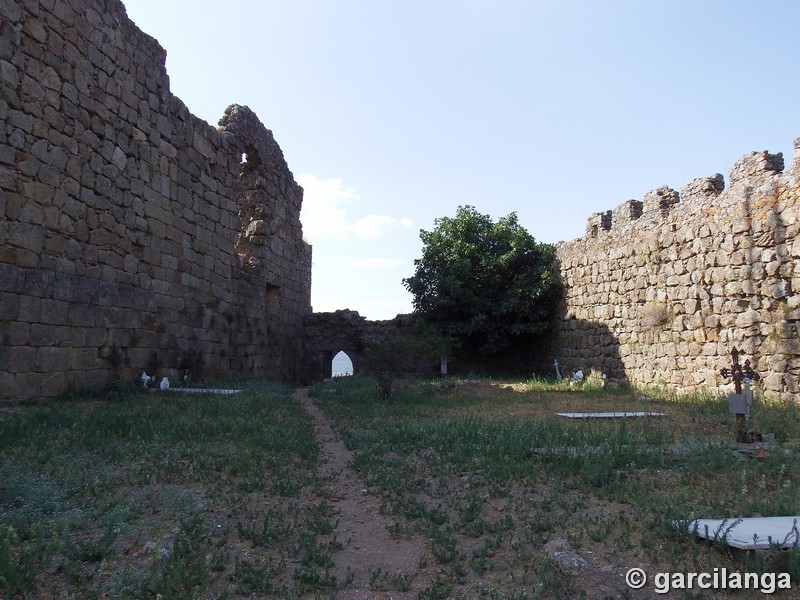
[[750, 533], [609, 415]]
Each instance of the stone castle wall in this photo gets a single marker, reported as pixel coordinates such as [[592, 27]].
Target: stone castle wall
[[134, 235], [660, 291]]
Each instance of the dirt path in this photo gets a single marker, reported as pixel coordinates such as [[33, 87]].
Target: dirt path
[[368, 546]]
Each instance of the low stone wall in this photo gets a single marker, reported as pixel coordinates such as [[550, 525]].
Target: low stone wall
[[660, 291], [134, 235], [328, 333]]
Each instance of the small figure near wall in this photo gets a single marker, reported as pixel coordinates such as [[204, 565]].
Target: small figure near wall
[[146, 379], [577, 378]]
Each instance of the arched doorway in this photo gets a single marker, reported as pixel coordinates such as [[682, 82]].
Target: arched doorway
[[341, 365]]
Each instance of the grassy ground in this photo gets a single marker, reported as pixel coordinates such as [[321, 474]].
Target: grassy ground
[[133, 495], [488, 476]]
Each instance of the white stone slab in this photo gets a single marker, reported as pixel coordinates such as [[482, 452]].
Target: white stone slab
[[749, 533], [203, 391], [609, 415], [676, 449], [592, 450]]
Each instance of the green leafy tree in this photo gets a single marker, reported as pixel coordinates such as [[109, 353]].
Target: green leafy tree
[[484, 283]]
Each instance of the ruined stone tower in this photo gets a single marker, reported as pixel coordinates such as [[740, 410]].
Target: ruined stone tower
[[134, 235]]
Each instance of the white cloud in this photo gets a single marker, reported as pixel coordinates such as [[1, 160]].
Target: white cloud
[[371, 227], [376, 263], [324, 212], [323, 205]]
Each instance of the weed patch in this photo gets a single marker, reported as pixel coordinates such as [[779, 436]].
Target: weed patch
[[487, 475], [136, 495], [139, 494]]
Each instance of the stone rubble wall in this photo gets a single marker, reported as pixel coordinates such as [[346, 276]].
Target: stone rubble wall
[[328, 333], [660, 291], [134, 235]]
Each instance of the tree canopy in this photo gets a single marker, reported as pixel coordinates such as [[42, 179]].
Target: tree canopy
[[482, 282]]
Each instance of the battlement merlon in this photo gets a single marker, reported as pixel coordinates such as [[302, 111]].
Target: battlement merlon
[[703, 187], [756, 164], [658, 203], [626, 212], [597, 222]]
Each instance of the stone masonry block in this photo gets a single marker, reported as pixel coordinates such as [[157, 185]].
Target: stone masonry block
[[83, 359], [7, 384], [53, 312], [17, 333], [29, 309], [9, 306], [28, 385], [82, 315], [53, 360], [54, 383], [93, 379], [20, 359]]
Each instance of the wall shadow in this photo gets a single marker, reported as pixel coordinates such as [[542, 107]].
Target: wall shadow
[[589, 346]]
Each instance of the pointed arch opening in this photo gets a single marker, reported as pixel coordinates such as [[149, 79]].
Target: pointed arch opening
[[341, 365]]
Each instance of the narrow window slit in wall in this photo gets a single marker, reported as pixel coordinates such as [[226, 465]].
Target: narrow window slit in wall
[[271, 298]]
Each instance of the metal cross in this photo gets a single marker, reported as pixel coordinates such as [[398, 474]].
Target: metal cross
[[738, 372]]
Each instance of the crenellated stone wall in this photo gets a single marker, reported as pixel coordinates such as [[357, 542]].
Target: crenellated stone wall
[[660, 291], [134, 235]]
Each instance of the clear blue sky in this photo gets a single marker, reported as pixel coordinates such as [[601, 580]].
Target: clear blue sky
[[393, 113]]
